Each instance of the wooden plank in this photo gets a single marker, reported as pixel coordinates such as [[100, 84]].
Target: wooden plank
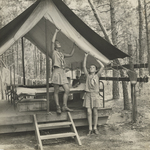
[[26, 118], [37, 133], [84, 122], [16, 128], [48, 125], [128, 66], [31, 106], [73, 128], [12, 120], [54, 136], [144, 79], [30, 127], [77, 114]]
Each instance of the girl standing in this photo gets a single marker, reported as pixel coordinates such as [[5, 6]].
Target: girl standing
[[92, 98], [59, 77]]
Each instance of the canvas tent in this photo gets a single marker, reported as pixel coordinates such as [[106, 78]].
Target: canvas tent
[[43, 17]]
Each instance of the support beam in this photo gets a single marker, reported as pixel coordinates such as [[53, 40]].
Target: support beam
[[47, 63], [14, 76], [145, 79], [23, 67], [128, 66]]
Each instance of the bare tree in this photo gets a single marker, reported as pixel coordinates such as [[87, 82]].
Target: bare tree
[[141, 50], [114, 41], [147, 35]]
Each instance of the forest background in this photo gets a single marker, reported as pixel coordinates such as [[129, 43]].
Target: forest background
[[124, 23]]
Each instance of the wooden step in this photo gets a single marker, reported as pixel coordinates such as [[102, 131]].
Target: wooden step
[[56, 124], [54, 136]]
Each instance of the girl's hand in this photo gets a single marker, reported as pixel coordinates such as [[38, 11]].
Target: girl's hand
[[57, 30], [86, 54]]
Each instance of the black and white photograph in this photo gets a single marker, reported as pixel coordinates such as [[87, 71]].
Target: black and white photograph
[[74, 74]]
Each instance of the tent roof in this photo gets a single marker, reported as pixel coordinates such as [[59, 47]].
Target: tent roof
[[99, 43], [31, 24]]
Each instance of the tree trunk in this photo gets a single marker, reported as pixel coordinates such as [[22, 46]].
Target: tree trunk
[[147, 36], [131, 64], [130, 52], [115, 74], [114, 40], [141, 50]]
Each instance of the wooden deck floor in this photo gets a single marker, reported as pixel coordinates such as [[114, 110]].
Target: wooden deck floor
[[13, 121]]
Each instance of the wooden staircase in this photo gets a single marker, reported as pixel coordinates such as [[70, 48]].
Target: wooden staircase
[[69, 122]]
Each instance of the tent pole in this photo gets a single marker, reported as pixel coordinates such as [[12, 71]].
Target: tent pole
[[13, 53], [23, 67], [11, 83], [47, 64]]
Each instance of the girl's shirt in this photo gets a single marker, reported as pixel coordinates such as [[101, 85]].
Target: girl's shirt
[[92, 83], [58, 59]]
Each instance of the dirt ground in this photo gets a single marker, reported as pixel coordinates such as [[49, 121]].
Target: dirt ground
[[117, 134]]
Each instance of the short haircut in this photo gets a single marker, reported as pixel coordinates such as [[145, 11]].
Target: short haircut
[[56, 42], [94, 65]]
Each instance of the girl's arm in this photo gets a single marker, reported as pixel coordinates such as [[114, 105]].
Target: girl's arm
[[53, 39], [84, 64], [72, 52], [101, 69]]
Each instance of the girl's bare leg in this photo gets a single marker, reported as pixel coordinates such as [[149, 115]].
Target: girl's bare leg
[[95, 113], [56, 98], [66, 94], [65, 98], [95, 116], [56, 92], [89, 115]]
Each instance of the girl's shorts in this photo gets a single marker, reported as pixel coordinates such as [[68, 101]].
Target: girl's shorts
[[59, 77], [92, 100]]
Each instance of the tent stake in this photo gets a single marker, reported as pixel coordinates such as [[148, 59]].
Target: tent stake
[[23, 67]]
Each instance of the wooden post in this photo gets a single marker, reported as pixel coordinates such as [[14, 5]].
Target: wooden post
[[17, 58], [134, 105], [23, 67], [13, 86], [133, 80], [47, 63]]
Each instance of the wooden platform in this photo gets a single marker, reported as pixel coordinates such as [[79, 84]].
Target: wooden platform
[[13, 121]]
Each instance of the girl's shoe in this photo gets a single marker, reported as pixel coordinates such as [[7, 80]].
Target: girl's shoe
[[90, 132], [58, 110], [65, 108], [96, 131]]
